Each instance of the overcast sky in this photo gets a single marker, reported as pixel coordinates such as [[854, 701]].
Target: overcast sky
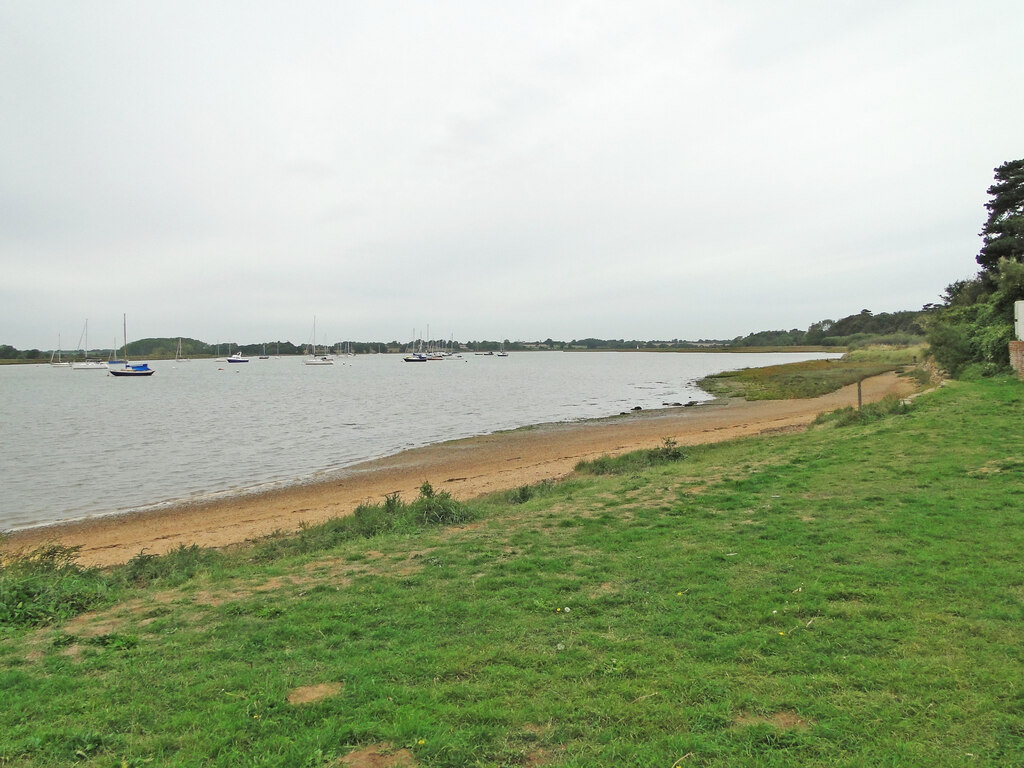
[[652, 170]]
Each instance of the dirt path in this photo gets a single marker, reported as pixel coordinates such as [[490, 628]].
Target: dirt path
[[465, 468]]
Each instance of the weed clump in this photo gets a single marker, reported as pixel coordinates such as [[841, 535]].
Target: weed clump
[[367, 521], [521, 495], [169, 570], [433, 508], [635, 461], [48, 585], [525, 493]]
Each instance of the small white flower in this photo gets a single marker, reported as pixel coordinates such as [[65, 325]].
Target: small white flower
[[567, 610]]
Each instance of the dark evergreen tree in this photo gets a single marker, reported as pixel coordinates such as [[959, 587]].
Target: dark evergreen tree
[[1003, 233]]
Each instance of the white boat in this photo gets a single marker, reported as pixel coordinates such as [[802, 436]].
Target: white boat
[[87, 363], [55, 360], [126, 368], [315, 358], [238, 358]]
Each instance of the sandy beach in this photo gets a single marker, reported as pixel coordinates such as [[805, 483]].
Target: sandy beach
[[465, 468]]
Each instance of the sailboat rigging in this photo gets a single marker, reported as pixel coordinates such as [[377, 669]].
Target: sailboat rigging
[[314, 358], [87, 363], [55, 360], [177, 355]]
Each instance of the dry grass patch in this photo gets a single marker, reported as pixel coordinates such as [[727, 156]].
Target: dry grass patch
[[450, 531], [379, 756], [788, 429], [307, 694], [785, 721], [94, 626], [997, 466], [106, 622], [538, 757], [73, 652], [603, 589]]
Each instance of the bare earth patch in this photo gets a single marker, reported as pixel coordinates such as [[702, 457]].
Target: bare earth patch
[[380, 756], [310, 693], [787, 721]]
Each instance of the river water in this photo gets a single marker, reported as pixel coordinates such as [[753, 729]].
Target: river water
[[83, 443]]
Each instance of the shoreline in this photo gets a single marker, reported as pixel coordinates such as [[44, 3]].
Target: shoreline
[[466, 468]]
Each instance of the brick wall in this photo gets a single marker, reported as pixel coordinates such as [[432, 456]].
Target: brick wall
[[1017, 357]]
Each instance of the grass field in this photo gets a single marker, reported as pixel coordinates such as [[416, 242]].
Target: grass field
[[848, 596]]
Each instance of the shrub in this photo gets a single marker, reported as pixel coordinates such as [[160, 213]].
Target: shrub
[[371, 520], [433, 508], [669, 450], [970, 334]]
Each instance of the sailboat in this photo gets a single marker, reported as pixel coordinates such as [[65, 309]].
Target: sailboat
[[416, 354], [55, 360], [314, 358], [177, 355], [264, 356], [130, 369], [87, 363]]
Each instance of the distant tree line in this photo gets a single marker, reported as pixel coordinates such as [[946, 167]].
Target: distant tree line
[[863, 328], [894, 328], [891, 328]]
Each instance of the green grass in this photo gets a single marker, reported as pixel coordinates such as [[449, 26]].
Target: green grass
[[843, 597], [811, 378]]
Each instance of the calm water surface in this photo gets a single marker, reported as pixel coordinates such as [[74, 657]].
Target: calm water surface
[[83, 443]]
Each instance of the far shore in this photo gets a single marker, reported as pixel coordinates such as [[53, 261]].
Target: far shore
[[465, 468]]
